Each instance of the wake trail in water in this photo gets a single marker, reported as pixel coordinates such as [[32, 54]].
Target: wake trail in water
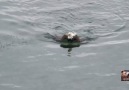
[[45, 21]]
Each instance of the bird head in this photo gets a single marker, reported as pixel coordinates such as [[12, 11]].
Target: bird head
[[71, 35]]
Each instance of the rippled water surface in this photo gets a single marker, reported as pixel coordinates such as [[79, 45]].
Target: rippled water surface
[[31, 60]]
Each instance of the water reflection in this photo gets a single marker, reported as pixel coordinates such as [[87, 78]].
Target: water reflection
[[69, 51]]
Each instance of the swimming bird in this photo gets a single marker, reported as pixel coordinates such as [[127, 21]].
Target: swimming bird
[[70, 40]]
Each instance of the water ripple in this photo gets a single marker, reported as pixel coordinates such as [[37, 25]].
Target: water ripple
[[108, 43], [85, 54], [102, 74], [10, 85]]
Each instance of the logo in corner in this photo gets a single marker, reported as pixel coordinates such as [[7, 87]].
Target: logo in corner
[[125, 75]]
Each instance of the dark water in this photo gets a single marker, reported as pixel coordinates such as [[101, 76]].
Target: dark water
[[30, 61]]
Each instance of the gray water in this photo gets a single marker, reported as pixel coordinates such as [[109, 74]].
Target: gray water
[[29, 61]]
